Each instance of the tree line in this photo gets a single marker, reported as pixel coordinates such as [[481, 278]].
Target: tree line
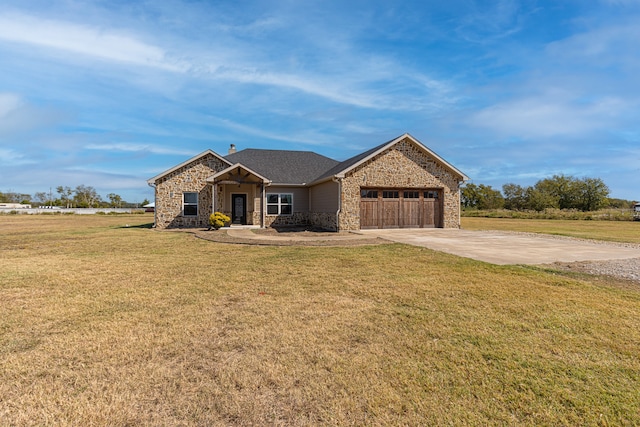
[[83, 196], [557, 192]]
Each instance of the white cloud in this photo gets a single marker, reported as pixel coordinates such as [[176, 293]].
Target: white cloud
[[308, 138], [337, 74], [484, 23], [84, 40], [134, 147], [548, 116], [13, 157], [9, 103], [308, 84], [17, 116], [610, 47]]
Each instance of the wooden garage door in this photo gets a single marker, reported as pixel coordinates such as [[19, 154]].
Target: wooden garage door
[[399, 208], [369, 209]]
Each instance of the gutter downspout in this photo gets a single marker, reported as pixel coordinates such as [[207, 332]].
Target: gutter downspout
[[214, 192], [262, 205], [155, 204], [338, 180], [459, 207]]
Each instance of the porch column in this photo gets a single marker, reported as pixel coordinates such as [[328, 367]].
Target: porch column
[[262, 205], [214, 194]]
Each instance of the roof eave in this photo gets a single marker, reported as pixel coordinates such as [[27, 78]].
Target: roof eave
[[282, 184]]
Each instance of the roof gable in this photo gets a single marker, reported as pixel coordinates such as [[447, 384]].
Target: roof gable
[[153, 180], [282, 166], [238, 173]]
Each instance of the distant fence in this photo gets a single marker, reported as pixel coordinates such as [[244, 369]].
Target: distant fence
[[78, 211]]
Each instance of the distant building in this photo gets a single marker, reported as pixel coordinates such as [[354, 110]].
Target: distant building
[[14, 206]]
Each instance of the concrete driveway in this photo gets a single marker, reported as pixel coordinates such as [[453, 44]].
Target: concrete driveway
[[508, 248]]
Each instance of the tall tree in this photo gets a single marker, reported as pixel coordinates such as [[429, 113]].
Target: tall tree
[[115, 200], [591, 194], [481, 197], [469, 196], [86, 196], [560, 188], [539, 200], [10, 197], [65, 195], [515, 197], [42, 197]]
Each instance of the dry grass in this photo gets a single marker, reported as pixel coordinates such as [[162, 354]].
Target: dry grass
[[107, 325], [613, 231]]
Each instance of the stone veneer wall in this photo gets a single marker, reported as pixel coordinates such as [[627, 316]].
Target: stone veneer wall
[[324, 220], [298, 218], [189, 178], [404, 165]]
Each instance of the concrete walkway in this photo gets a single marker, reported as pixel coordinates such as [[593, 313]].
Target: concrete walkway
[[508, 248], [246, 233]]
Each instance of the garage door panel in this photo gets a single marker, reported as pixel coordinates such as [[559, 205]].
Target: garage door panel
[[429, 213], [369, 217], [391, 213], [411, 213]]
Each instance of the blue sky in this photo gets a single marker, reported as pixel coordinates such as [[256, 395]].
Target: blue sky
[[110, 93]]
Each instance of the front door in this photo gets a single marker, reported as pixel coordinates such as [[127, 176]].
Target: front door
[[239, 209]]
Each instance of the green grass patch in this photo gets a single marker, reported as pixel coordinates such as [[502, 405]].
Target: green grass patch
[[612, 231]]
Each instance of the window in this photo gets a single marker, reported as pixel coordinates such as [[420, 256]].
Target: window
[[279, 204], [411, 194], [390, 194], [430, 194], [369, 194], [190, 204]]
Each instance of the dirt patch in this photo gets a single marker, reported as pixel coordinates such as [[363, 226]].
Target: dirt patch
[[624, 269], [289, 237]]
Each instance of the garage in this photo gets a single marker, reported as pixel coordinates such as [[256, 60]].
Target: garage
[[400, 208]]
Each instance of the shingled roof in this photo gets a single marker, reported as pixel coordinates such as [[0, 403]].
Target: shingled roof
[[282, 166], [304, 167]]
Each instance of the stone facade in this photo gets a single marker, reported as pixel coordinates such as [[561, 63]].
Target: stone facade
[[404, 165], [298, 218], [189, 178], [323, 220]]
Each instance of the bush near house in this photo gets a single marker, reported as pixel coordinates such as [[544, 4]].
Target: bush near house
[[218, 219]]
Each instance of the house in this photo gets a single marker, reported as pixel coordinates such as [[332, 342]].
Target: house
[[398, 184]]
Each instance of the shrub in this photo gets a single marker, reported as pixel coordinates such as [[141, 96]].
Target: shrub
[[218, 219]]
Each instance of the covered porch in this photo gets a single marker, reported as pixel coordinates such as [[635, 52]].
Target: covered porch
[[239, 192]]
